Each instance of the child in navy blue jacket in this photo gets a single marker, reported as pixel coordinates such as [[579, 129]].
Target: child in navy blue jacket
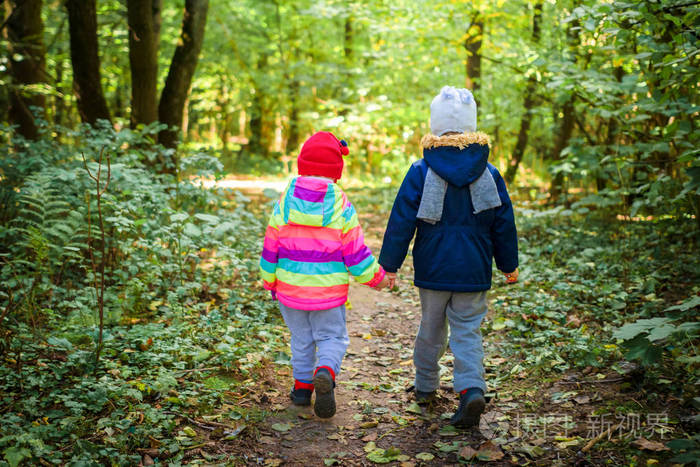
[[459, 206]]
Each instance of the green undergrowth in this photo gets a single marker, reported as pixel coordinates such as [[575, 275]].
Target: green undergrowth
[[586, 275], [186, 327]]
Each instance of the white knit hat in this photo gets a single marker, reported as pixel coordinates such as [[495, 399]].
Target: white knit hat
[[453, 110]]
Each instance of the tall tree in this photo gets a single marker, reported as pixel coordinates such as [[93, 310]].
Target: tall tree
[[144, 18], [27, 62], [472, 44], [528, 103], [182, 67], [565, 124], [82, 23]]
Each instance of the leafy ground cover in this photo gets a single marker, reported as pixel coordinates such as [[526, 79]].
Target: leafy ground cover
[[578, 374]]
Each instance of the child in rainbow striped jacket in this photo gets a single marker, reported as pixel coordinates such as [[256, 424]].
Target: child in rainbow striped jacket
[[313, 243]]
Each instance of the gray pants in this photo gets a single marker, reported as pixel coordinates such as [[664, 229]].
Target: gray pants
[[319, 338], [464, 312]]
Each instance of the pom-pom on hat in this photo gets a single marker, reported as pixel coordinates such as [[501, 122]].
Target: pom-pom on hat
[[453, 110], [322, 155]]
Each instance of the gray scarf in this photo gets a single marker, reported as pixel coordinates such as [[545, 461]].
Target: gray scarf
[[483, 191]]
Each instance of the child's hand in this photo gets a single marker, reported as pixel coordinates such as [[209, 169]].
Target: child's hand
[[511, 277], [392, 279], [383, 283]]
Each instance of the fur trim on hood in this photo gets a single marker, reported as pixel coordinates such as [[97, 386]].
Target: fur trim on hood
[[460, 141]]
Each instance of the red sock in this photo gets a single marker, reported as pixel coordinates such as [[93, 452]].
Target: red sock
[[303, 385], [464, 391], [330, 370]]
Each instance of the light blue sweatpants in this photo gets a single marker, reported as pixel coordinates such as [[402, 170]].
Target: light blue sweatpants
[[464, 312], [319, 338]]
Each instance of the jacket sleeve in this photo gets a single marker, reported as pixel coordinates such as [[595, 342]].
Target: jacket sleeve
[[503, 233], [402, 221], [356, 255], [268, 259]]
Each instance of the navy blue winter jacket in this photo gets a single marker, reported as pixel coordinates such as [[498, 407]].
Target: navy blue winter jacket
[[455, 253]]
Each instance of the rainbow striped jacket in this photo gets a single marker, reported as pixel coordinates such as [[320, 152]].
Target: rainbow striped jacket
[[313, 243]]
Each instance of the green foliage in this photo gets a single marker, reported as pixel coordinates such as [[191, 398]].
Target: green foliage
[[181, 262], [646, 339], [584, 278], [688, 450]]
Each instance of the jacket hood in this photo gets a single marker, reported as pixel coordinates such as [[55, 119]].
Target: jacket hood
[[312, 202], [459, 159]]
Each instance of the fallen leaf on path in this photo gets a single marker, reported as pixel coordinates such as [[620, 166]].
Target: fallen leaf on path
[[370, 424], [231, 434], [582, 399], [495, 361], [467, 453], [414, 408], [447, 447], [648, 445], [384, 456], [532, 451], [305, 415], [281, 427], [493, 416], [370, 437], [425, 456], [273, 462], [448, 430], [567, 442], [489, 452], [371, 446], [268, 440], [399, 420]]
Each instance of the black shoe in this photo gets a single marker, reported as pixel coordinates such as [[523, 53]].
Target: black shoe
[[324, 406], [471, 406], [300, 396], [424, 398]]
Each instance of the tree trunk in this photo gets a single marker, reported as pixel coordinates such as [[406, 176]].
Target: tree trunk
[[348, 40], [182, 67], [566, 123], [619, 73], [82, 23], [472, 44], [292, 145], [27, 64], [144, 35], [521, 144], [257, 142], [563, 134], [59, 101]]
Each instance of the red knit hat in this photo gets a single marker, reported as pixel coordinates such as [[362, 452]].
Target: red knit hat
[[322, 155]]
